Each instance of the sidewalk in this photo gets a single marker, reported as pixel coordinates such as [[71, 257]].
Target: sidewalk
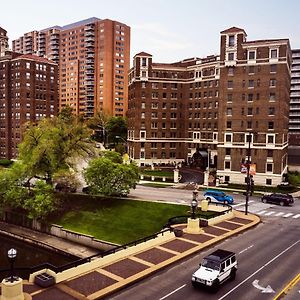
[[47, 240], [108, 274]]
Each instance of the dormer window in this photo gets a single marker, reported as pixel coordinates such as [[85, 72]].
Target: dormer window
[[231, 40]]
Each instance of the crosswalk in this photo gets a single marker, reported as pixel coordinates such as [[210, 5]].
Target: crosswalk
[[278, 214], [261, 210]]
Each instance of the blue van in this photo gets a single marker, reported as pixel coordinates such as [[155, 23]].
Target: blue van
[[215, 195]]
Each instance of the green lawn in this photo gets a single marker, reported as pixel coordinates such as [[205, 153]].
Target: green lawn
[[158, 173], [118, 220]]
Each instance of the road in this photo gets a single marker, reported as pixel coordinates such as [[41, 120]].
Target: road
[[180, 196], [268, 255]]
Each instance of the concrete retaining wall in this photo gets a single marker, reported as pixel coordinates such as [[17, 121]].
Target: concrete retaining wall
[[83, 239]]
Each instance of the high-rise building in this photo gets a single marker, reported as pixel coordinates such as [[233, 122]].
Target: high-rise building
[[93, 57], [28, 92], [219, 106], [294, 123]]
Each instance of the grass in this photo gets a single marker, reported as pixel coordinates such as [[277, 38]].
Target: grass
[[118, 220], [156, 185], [158, 173]]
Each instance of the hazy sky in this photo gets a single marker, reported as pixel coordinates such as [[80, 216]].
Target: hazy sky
[[170, 30]]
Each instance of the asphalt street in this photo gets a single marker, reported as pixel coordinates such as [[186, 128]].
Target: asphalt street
[[267, 260]]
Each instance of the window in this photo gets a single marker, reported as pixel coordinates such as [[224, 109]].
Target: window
[[274, 53], [229, 97], [228, 124], [270, 139], [230, 71], [229, 111], [251, 69], [231, 40], [227, 151], [269, 153], [228, 137], [271, 125], [251, 83], [273, 68], [249, 124], [269, 167], [230, 84], [250, 97], [231, 56], [272, 97], [251, 55], [144, 62], [271, 111], [227, 165], [250, 111], [272, 82], [268, 181]]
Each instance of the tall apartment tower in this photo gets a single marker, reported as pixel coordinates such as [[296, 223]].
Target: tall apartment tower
[[28, 92], [94, 59], [3, 42], [294, 123], [214, 107]]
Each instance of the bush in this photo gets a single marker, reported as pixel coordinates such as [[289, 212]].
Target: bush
[[5, 162]]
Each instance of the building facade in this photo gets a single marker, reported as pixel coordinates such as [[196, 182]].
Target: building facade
[[94, 59], [28, 92], [220, 106], [294, 123]]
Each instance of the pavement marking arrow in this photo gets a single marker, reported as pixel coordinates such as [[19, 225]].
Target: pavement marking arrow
[[267, 289]]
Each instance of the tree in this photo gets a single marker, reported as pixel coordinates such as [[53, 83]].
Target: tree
[[117, 129], [107, 177], [16, 192], [52, 144], [99, 125]]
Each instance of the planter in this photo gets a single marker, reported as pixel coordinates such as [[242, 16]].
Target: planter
[[44, 280], [178, 232]]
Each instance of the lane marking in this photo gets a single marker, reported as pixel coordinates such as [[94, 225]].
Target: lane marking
[[164, 297], [243, 203], [246, 249], [270, 213], [279, 214], [296, 216], [261, 212], [287, 215], [262, 267]]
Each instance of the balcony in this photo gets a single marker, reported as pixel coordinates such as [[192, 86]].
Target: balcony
[[89, 39], [90, 54], [89, 45], [89, 27], [89, 83], [89, 72], [89, 33]]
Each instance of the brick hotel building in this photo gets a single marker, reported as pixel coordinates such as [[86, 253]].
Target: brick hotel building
[[94, 59], [219, 105], [28, 92]]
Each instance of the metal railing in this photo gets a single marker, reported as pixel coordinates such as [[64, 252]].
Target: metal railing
[[26, 271]]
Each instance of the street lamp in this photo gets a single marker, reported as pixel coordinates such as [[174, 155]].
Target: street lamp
[[194, 204], [12, 254]]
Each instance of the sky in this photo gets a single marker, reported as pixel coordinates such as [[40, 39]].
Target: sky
[[170, 30]]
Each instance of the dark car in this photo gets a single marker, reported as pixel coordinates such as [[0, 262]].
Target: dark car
[[281, 199]]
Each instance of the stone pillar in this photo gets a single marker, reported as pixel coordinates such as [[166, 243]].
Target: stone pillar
[[193, 226], [176, 175], [12, 290], [204, 205]]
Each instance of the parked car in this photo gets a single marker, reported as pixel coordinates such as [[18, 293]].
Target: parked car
[[215, 195], [281, 199], [215, 269]]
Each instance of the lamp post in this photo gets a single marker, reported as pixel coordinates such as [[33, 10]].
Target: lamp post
[[12, 254], [194, 204]]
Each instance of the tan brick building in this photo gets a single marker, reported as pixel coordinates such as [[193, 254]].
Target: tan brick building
[[214, 105], [93, 57]]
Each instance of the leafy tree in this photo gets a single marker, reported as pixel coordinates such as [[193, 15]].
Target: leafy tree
[[107, 177], [52, 144], [117, 129], [99, 124], [42, 202], [113, 156]]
